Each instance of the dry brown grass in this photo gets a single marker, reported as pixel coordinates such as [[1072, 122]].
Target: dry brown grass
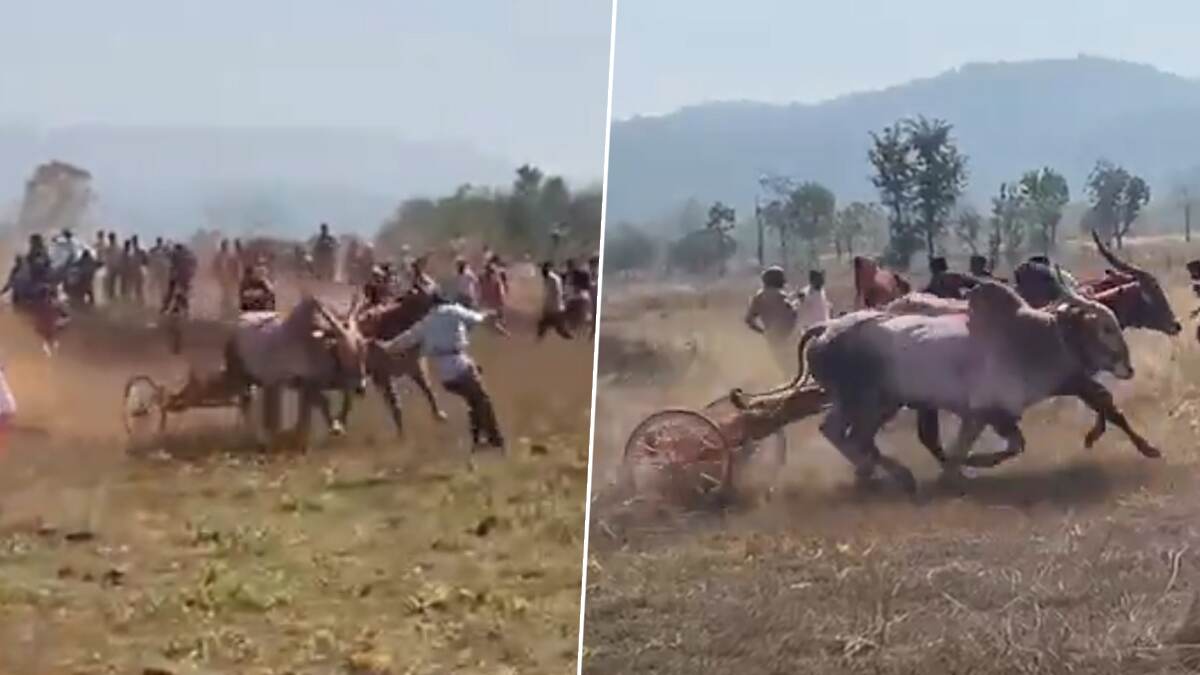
[[1064, 560], [364, 556]]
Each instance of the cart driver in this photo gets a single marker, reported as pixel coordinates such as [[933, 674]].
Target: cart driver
[[256, 293]]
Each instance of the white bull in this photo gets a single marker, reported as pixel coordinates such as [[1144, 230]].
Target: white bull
[[987, 366], [310, 350]]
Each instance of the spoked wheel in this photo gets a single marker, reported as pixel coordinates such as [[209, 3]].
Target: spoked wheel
[[145, 412], [680, 454]]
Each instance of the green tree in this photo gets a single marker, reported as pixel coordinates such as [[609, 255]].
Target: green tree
[[894, 178], [968, 227], [939, 174], [554, 200], [528, 182], [1010, 222], [776, 215], [1047, 193], [720, 217], [520, 221], [810, 210], [1117, 197]]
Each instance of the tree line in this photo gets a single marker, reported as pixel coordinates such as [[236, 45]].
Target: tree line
[[538, 215], [920, 175]]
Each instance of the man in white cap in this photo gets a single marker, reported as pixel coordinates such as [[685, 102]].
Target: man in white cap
[[772, 313]]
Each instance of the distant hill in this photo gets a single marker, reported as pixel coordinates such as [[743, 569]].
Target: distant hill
[[1008, 117], [174, 179]]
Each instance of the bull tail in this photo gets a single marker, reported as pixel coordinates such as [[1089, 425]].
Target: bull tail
[[739, 397], [802, 353]]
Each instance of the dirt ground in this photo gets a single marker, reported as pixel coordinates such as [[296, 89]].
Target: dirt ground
[[1063, 560], [366, 555]]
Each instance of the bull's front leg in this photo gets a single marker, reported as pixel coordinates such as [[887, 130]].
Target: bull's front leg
[[968, 432], [1100, 399]]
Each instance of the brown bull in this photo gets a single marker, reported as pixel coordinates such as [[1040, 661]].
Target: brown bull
[[1137, 300], [379, 324]]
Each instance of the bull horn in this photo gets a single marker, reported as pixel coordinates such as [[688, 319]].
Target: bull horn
[[1112, 259], [333, 320]]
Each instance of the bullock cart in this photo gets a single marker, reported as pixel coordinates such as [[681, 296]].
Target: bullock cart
[[688, 453], [148, 403]]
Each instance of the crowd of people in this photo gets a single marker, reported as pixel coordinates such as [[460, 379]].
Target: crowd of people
[[50, 278], [779, 314]]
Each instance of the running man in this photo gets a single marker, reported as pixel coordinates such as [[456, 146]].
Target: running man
[[554, 313], [443, 337], [177, 300], [325, 254], [493, 291], [773, 313], [813, 303], [466, 292]]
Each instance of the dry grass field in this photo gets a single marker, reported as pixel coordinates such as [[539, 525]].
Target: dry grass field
[[365, 555], [1064, 560]]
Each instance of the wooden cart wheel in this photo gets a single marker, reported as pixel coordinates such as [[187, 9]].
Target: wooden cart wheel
[[680, 453], [145, 411]]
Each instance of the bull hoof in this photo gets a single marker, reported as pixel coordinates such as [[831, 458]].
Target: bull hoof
[[905, 479], [1149, 451], [337, 430], [1090, 439], [440, 415]]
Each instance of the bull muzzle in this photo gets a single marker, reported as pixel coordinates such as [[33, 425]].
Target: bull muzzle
[[1123, 371]]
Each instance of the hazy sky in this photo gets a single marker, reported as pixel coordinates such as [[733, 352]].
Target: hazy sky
[[672, 53], [524, 78]]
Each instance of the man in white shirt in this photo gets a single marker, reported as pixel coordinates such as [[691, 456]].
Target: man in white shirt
[[442, 335], [467, 291], [814, 305], [554, 313]]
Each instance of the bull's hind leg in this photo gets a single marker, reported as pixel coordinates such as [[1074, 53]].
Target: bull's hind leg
[[968, 432], [863, 430], [1005, 425], [929, 433], [835, 428]]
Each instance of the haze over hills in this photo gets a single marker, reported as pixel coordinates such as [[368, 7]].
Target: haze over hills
[[172, 180], [1008, 117]]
